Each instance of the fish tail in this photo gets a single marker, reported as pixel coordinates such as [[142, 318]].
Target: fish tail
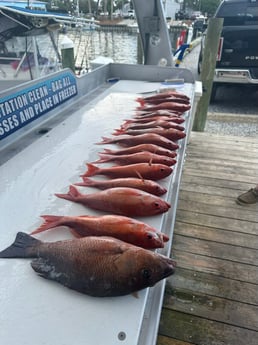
[[119, 131], [126, 123], [140, 100], [72, 195], [49, 223], [22, 247], [107, 151], [103, 158], [92, 170], [86, 182], [105, 140]]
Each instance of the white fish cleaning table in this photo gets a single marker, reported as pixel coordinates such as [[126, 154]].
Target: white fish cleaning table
[[38, 311]]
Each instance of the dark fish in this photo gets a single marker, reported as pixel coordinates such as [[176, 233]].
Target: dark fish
[[96, 266]]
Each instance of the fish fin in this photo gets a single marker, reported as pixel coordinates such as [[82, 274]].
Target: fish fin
[[92, 170], [49, 223], [72, 195], [139, 175], [140, 100], [105, 140], [135, 294], [21, 247]]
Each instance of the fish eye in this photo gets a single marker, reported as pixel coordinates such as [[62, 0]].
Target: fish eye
[[149, 236], [156, 205], [146, 273], [162, 169]]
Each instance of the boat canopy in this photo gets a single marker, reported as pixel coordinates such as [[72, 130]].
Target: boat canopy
[[19, 21]]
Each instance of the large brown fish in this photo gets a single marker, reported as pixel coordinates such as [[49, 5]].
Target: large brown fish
[[128, 202], [134, 158], [143, 170], [132, 140], [124, 228], [96, 266], [148, 186]]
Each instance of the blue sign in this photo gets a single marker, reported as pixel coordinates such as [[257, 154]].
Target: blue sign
[[25, 106]]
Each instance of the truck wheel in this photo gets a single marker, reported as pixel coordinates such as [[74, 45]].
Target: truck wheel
[[213, 92], [199, 66]]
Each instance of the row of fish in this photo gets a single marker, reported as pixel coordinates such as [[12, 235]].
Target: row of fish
[[111, 256]]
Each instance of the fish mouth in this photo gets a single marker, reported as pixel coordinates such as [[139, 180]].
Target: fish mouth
[[168, 205], [168, 272], [170, 269]]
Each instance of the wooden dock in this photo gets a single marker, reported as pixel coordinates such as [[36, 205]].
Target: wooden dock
[[212, 299]]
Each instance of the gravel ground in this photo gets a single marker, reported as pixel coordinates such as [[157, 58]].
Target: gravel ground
[[235, 112]]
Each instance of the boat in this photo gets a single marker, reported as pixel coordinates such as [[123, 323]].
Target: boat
[[28, 39], [48, 130]]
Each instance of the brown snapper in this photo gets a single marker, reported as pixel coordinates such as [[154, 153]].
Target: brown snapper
[[96, 266]]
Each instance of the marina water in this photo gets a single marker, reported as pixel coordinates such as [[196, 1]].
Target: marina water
[[120, 46]]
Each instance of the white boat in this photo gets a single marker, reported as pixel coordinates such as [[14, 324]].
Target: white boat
[[28, 35]]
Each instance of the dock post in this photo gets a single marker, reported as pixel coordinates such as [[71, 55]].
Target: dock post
[[67, 51], [207, 72]]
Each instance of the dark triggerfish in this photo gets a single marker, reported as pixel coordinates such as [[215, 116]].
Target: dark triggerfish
[[96, 266]]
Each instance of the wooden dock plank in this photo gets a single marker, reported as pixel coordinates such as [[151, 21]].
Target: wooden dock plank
[[213, 308], [213, 296], [214, 249], [217, 286], [219, 267], [219, 206], [217, 235], [198, 330], [217, 222]]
